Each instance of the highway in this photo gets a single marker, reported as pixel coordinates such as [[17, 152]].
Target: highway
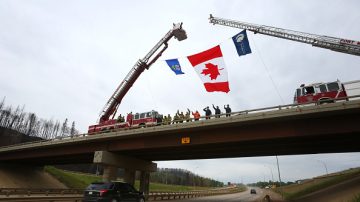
[[238, 197]]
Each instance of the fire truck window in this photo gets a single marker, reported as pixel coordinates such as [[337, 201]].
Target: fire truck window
[[322, 88], [137, 116], [142, 115], [148, 114], [298, 92], [333, 86], [309, 90]]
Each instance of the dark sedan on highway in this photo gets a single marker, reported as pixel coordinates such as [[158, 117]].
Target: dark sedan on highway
[[112, 192]]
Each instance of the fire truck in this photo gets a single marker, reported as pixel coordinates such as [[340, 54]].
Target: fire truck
[[347, 46], [326, 92], [107, 121], [322, 92]]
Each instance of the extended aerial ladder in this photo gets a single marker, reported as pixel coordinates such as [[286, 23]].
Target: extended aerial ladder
[[336, 44], [113, 103]]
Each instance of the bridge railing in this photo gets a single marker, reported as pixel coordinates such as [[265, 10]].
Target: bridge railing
[[203, 118]]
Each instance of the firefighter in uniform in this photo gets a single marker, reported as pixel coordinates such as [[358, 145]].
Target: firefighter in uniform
[[227, 110], [207, 112], [217, 111]]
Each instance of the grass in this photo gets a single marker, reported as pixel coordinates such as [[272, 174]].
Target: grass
[[356, 198], [81, 181], [72, 180], [295, 191]]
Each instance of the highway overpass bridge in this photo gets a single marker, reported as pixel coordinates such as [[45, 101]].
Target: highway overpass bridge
[[283, 130]]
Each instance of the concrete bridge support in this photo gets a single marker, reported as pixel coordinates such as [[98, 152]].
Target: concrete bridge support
[[111, 161]]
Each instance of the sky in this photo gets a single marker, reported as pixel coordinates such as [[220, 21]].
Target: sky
[[64, 59]]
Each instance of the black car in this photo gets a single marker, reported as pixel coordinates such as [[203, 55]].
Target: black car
[[252, 191], [112, 192]]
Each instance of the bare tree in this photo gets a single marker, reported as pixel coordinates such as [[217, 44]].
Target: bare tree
[[73, 130], [64, 128], [6, 115], [14, 118], [31, 123], [56, 128], [2, 103], [20, 124]]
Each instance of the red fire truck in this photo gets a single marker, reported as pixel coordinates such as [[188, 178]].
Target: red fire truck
[[322, 92], [107, 121], [137, 120]]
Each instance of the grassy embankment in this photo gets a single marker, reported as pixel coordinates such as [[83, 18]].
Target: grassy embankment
[[356, 198], [296, 191], [81, 181]]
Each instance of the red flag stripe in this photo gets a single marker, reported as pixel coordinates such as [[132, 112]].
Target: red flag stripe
[[205, 56], [220, 86]]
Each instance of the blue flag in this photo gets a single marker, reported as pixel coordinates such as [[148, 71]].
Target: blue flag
[[242, 43], [175, 66]]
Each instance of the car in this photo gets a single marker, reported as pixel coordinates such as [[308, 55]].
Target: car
[[112, 192], [252, 191]]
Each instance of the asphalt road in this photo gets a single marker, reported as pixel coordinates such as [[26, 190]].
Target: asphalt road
[[238, 197]]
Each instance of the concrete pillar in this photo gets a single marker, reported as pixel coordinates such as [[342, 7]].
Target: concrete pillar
[[112, 160], [110, 173], [129, 176], [145, 182]]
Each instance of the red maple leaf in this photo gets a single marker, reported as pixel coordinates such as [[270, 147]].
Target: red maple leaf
[[212, 70]]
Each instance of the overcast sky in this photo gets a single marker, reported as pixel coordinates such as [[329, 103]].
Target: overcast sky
[[64, 59]]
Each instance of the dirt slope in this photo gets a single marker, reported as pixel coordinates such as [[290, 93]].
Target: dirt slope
[[19, 176]]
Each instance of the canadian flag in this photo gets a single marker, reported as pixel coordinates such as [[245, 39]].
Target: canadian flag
[[210, 67]]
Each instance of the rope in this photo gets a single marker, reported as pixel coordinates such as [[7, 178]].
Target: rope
[[268, 72]]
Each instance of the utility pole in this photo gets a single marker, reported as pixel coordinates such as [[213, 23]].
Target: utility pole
[[278, 167]]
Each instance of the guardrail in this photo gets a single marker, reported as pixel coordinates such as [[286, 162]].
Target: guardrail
[[23, 194], [28, 192], [158, 196], [202, 118], [43, 198]]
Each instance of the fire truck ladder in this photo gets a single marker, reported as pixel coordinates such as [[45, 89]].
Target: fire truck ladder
[[113, 103], [336, 44]]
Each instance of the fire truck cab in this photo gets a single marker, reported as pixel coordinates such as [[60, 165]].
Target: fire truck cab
[[144, 119], [322, 92]]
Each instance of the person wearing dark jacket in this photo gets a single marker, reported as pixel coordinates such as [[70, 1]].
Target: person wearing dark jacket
[[207, 112], [217, 111], [227, 110]]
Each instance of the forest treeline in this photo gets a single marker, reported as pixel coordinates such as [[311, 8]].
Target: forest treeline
[[15, 118], [182, 177]]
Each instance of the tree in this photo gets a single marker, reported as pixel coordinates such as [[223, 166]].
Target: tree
[[73, 130], [64, 128], [31, 122]]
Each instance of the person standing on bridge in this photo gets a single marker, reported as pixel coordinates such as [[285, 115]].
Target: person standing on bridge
[[181, 117], [187, 115], [169, 119], [196, 115], [227, 110], [217, 111], [207, 112], [176, 118], [129, 118]]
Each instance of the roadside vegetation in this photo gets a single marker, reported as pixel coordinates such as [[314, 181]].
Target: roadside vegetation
[[29, 124], [356, 198], [75, 180], [296, 191]]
